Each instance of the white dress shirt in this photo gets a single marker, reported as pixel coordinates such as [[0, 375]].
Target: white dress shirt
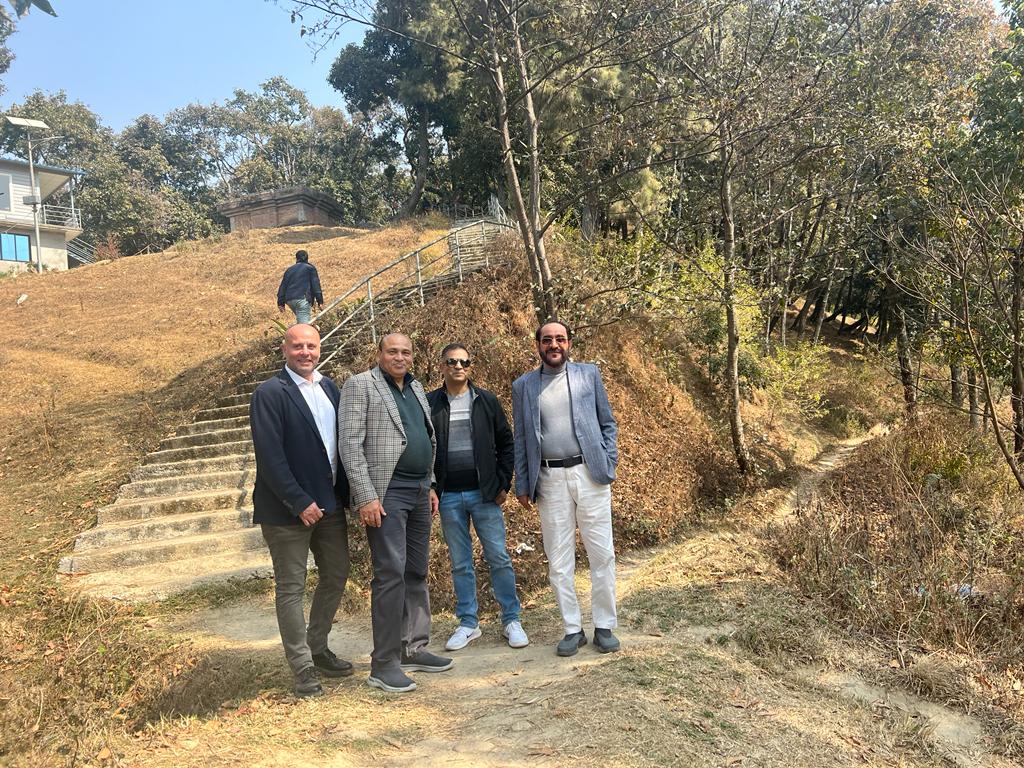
[[324, 415]]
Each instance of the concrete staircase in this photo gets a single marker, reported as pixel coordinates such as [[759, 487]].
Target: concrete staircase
[[185, 517]]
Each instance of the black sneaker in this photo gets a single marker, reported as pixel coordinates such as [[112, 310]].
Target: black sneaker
[[605, 641], [571, 643], [307, 683], [391, 680], [425, 661], [329, 664]]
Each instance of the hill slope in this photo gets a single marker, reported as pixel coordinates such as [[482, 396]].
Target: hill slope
[[99, 362]]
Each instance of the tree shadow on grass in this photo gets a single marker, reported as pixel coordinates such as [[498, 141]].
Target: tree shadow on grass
[[313, 234]]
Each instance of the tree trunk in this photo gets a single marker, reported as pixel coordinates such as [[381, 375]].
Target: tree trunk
[[903, 354], [956, 386], [1016, 365], [732, 372], [547, 308], [973, 403], [825, 298], [422, 166], [526, 231]]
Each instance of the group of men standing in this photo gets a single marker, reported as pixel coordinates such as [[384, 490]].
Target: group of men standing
[[397, 456]]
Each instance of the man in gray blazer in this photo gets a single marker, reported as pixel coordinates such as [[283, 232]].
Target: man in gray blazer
[[566, 452], [387, 447]]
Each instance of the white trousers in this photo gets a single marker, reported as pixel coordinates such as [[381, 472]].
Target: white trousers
[[567, 498]]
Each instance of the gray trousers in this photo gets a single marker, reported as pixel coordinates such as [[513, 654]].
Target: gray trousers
[[399, 600], [289, 549]]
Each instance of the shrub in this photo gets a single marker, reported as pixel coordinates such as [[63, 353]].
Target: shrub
[[919, 541]]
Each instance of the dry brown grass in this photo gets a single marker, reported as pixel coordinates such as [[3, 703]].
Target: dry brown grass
[[917, 542], [100, 362], [660, 425]]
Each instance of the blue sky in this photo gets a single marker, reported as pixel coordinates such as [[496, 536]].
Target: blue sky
[[125, 58]]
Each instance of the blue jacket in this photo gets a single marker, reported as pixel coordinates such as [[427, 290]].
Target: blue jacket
[[592, 418], [300, 281], [292, 466]]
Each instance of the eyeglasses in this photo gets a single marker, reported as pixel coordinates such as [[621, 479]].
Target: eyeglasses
[[451, 362], [547, 341]]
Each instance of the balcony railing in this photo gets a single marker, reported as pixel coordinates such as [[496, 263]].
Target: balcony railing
[[64, 216], [61, 216]]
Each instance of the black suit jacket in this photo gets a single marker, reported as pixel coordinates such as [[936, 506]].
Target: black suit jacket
[[292, 466]]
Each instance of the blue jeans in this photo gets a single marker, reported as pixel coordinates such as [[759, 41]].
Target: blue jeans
[[302, 309], [457, 509]]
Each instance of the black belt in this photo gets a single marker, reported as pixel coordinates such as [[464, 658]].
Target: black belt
[[572, 461]]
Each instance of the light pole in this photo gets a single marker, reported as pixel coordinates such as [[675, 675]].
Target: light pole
[[34, 199]]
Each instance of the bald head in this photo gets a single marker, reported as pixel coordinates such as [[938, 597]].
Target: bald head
[[301, 347]]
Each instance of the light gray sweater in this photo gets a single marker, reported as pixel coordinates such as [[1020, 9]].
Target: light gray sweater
[[557, 434]]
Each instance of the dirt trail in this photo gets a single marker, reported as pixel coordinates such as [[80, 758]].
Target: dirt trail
[[698, 682]]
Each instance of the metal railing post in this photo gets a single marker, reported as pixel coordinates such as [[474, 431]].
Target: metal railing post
[[483, 240], [373, 316], [419, 278], [458, 255]]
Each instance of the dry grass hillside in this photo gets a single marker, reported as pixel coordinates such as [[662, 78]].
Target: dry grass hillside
[[100, 362], [113, 357]]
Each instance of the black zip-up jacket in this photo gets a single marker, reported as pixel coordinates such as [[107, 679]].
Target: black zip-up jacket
[[493, 446], [300, 281]]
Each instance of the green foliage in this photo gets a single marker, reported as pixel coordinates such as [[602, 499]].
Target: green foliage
[[794, 380]]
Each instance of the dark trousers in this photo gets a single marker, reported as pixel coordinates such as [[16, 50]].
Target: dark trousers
[[400, 602], [290, 546]]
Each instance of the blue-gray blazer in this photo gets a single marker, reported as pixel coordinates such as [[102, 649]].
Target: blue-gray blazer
[[592, 418]]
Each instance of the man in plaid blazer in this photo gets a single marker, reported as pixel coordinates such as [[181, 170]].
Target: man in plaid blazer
[[387, 446]]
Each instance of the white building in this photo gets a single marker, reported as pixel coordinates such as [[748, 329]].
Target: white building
[[58, 224]]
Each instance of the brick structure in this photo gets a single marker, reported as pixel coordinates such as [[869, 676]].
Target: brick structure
[[281, 208]]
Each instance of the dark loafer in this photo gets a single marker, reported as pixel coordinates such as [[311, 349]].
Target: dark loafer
[[329, 664], [571, 643], [307, 684], [605, 641], [391, 680], [425, 661]]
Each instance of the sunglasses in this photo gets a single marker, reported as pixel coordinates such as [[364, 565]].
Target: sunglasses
[[454, 361]]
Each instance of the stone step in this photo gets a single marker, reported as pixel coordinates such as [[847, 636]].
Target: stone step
[[162, 528], [193, 467], [166, 551], [212, 425], [184, 504], [158, 582], [229, 400], [248, 387], [186, 484], [205, 438], [226, 412], [236, 448], [264, 375]]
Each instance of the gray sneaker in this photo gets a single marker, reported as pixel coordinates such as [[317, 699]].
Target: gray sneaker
[[307, 683], [425, 661], [391, 680], [571, 643], [605, 641]]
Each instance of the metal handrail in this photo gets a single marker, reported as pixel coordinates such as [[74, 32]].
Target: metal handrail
[[369, 302], [401, 259]]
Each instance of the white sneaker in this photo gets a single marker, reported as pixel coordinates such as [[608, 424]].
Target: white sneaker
[[516, 636], [462, 637]]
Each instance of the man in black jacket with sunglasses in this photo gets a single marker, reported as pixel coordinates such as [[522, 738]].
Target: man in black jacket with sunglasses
[[473, 471]]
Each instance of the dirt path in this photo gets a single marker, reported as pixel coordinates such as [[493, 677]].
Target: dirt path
[[721, 666]]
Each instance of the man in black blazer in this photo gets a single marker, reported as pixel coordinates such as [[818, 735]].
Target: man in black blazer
[[297, 502]]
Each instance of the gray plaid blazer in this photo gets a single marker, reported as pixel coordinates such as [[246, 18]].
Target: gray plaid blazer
[[371, 437]]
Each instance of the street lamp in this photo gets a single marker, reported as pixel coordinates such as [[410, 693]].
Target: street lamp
[[35, 199]]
